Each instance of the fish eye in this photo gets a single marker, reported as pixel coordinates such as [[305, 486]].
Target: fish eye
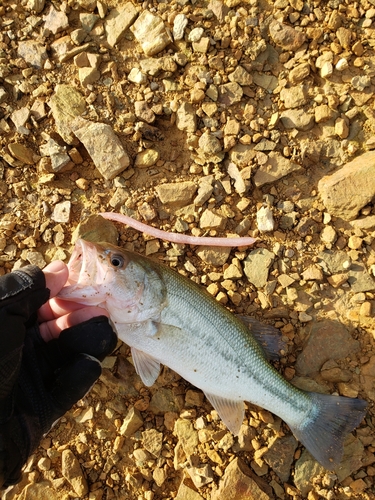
[[117, 261]]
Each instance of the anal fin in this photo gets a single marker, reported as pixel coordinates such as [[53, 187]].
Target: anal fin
[[147, 367], [231, 412]]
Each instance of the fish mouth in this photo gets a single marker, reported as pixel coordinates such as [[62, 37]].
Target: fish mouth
[[82, 264]]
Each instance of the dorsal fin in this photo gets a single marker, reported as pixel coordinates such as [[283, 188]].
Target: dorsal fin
[[267, 336]]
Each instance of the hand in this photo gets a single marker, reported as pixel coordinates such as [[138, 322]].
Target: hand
[[57, 314], [39, 380]]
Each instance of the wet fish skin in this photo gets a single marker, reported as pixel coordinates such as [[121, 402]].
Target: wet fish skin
[[167, 319]]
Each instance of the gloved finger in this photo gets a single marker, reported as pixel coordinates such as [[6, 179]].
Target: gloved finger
[[56, 274], [23, 291], [73, 382], [94, 337], [51, 328]]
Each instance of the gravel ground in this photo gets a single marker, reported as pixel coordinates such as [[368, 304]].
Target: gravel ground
[[211, 118]]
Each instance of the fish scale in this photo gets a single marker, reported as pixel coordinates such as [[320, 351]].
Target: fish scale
[[167, 319]]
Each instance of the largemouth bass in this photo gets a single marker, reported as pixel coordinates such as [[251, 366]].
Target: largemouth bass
[[167, 319]]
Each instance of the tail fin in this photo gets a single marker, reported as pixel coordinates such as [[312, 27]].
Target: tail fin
[[332, 418]]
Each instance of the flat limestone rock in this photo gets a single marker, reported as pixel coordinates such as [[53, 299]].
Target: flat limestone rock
[[257, 265], [186, 118], [240, 483], [118, 21], [285, 36], [22, 153], [95, 228], [187, 436], [40, 491], [305, 470], [71, 470], [276, 167], [34, 53], [177, 193], [216, 256], [280, 456], [359, 278], [132, 422], [66, 104], [368, 375], [186, 493], [61, 212], [327, 340], [56, 20], [350, 188], [152, 441], [103, 146], [150, 32]]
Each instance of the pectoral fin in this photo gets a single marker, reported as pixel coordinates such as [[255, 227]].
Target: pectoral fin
[[147, 367], [128, 332], [231, 412]]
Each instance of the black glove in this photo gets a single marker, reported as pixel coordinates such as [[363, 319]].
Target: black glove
[[40, 381]]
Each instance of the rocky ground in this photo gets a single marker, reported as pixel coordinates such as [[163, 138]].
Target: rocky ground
[[207, 118]]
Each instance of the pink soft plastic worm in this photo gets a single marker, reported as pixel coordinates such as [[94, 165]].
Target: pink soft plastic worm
[[176, 237]]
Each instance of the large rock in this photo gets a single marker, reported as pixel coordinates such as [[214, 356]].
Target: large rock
[[22, 153], [286, 37], [240, 483], [327, 340], [103, 146], [297, 119], [242, 155], [71, 470], [368, 377], [132, 422], [118, 21], [280, 456], [56, 20], [276, 167], [257, 265], [66, 104], [215, 256], [152, 441], [38, 491], [306, 469], [176, 193], [150, 32], [186, 118], [349, 189], [34, 53], [352, 457], [95, 228], [187, 436], [186, 493]]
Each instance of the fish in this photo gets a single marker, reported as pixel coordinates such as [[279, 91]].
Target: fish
[[167, 319]]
